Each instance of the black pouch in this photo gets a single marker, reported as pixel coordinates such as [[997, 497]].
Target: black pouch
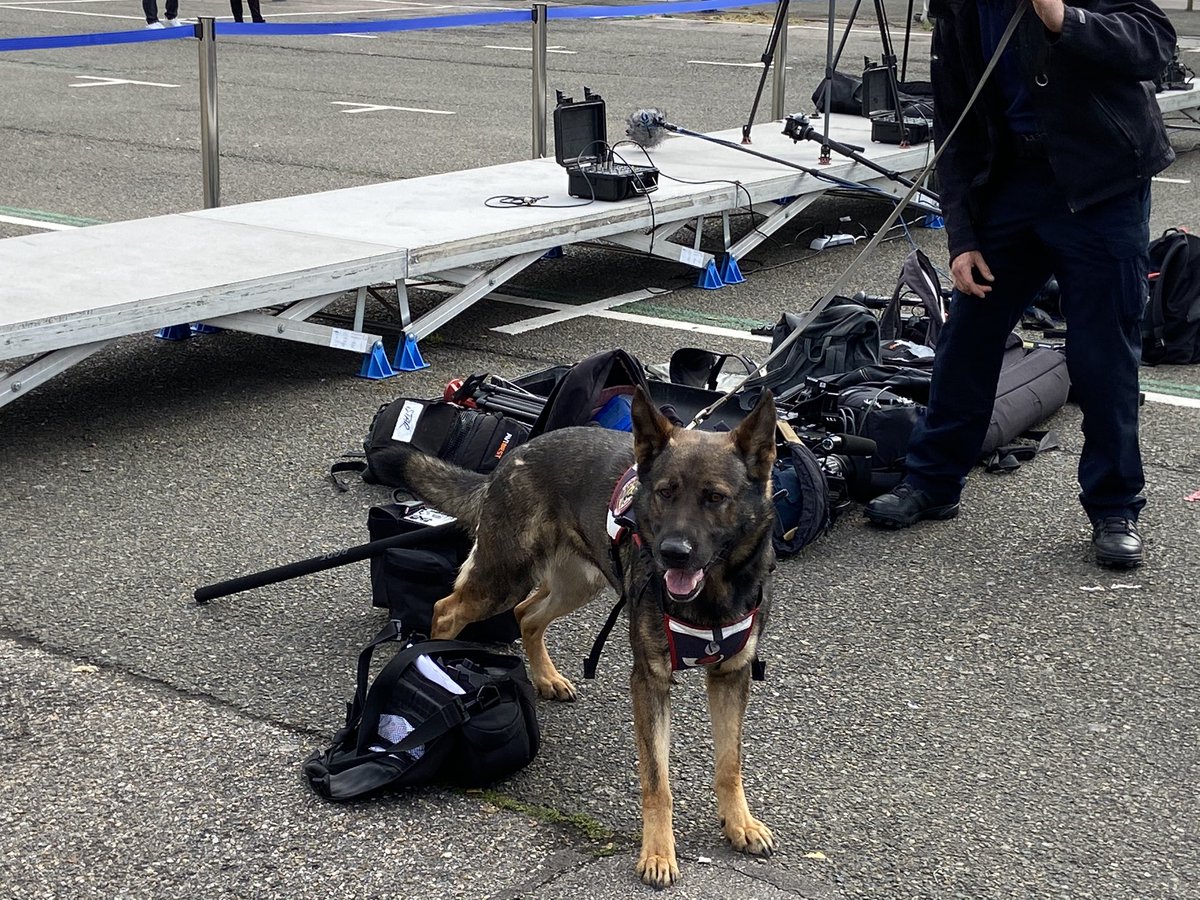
[[470, 438], [408, 581], [439, 711]]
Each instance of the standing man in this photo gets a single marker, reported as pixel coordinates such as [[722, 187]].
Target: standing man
[[1048, 174]]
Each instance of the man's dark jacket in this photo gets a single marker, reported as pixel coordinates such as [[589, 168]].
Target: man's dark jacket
[[1092, 92]]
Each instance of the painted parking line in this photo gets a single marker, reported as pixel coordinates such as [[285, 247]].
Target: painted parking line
[[376, 107], [736, 65], [48, 221], [528, 49], [74, 12], [98, 81]]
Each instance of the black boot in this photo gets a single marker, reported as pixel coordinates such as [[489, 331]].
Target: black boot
[[904, 505], [1117, 542]]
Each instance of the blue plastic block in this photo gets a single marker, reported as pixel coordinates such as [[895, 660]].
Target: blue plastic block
[[553, 253], [201, 328], [933, 222], [174, 333], [710, 278], [729, 271], [408, 356], [375, 365]]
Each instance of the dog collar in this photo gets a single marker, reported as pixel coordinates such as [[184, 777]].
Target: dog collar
[[693, 647]]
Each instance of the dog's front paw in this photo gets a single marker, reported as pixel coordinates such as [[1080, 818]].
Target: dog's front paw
[[555, 687], [750, 836], [658, 870]]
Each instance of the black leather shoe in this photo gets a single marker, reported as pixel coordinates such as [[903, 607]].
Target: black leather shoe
[[904, 505], [1117, 542]]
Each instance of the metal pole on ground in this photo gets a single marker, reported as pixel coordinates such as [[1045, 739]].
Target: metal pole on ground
[[539, 80], [210, 153], [779, 76]]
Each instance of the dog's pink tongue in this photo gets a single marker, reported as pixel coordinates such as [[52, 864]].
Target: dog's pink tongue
[[682, 582]]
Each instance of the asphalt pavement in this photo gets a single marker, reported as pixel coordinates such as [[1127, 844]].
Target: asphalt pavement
[[965, 709]]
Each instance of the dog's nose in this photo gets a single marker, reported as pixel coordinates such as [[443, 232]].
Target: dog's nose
[[676, 551]]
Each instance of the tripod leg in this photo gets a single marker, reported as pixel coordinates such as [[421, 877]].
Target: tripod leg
[[781, 14], [889, 60]]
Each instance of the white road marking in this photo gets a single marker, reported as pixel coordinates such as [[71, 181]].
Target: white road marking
[[742, 65], [376, 107], [1166, 180], [528, 49], [97, 81], [1172, 400], [36, 223], [74, 12]]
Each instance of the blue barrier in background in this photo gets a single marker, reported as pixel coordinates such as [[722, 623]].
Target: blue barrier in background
[[505, 17]]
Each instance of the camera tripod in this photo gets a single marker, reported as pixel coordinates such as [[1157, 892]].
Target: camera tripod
[[887, 62]]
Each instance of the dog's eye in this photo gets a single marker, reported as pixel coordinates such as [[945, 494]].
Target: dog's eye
[[666, 492], [714, 497]]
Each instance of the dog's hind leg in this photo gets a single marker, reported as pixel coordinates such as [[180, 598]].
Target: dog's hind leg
[[728, 693], [475, 598], [567, 584], [656, 865]]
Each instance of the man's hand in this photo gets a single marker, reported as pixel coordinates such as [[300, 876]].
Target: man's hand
[[963, 268], [1051, 13]]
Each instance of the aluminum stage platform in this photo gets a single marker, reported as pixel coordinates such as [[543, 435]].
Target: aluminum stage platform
[[268, 267]]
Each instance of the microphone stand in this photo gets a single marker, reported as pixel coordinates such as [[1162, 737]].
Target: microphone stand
[[780, 23], [798, 128]]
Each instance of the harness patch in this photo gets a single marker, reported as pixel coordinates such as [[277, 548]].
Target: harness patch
[[620, 521], [693, 647]]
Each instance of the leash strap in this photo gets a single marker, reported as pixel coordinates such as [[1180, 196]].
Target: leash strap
[[809, 316], [593, 658]]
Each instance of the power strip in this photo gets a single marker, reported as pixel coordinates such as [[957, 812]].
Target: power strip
[[830, 240]]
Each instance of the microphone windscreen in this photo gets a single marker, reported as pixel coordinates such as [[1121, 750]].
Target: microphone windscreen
[[645, 127], [853, 445]]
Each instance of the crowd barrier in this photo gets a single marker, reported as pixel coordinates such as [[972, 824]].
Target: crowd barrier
[[208, 29]]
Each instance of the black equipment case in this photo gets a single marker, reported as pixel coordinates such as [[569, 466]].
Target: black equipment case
[[581, 146]]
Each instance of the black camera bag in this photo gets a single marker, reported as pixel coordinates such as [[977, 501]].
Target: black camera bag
[[408, 581], [472, 438], [473, 738]]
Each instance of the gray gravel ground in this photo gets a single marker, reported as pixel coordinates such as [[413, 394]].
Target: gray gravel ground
[[968, 709]]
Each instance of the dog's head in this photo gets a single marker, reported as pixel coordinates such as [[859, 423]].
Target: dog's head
[[700, 494]]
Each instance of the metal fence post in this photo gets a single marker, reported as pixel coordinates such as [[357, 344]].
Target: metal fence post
[[779, 75], [539, 80], [210, 152]]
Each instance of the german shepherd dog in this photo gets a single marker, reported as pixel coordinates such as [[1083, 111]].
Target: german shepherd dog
[[702, 556]]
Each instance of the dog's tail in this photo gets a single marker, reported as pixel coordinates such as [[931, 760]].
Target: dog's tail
[[448, 488]]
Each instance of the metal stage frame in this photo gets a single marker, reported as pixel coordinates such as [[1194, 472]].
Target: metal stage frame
[[268, 267]]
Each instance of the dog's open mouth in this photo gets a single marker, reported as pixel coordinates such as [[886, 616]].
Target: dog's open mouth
[[683, 584]]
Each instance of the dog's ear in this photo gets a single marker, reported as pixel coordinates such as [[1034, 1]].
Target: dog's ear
[[754, 438], [651, 430]]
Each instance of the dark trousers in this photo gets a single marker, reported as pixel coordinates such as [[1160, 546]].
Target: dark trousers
[[235, 7], [1098, 255], [150, 8]]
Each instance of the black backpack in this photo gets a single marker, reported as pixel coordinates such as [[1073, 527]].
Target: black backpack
[[598, 388], [844, 336], [1171, 320], [802, 497], [472, 438], [470, 724]]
